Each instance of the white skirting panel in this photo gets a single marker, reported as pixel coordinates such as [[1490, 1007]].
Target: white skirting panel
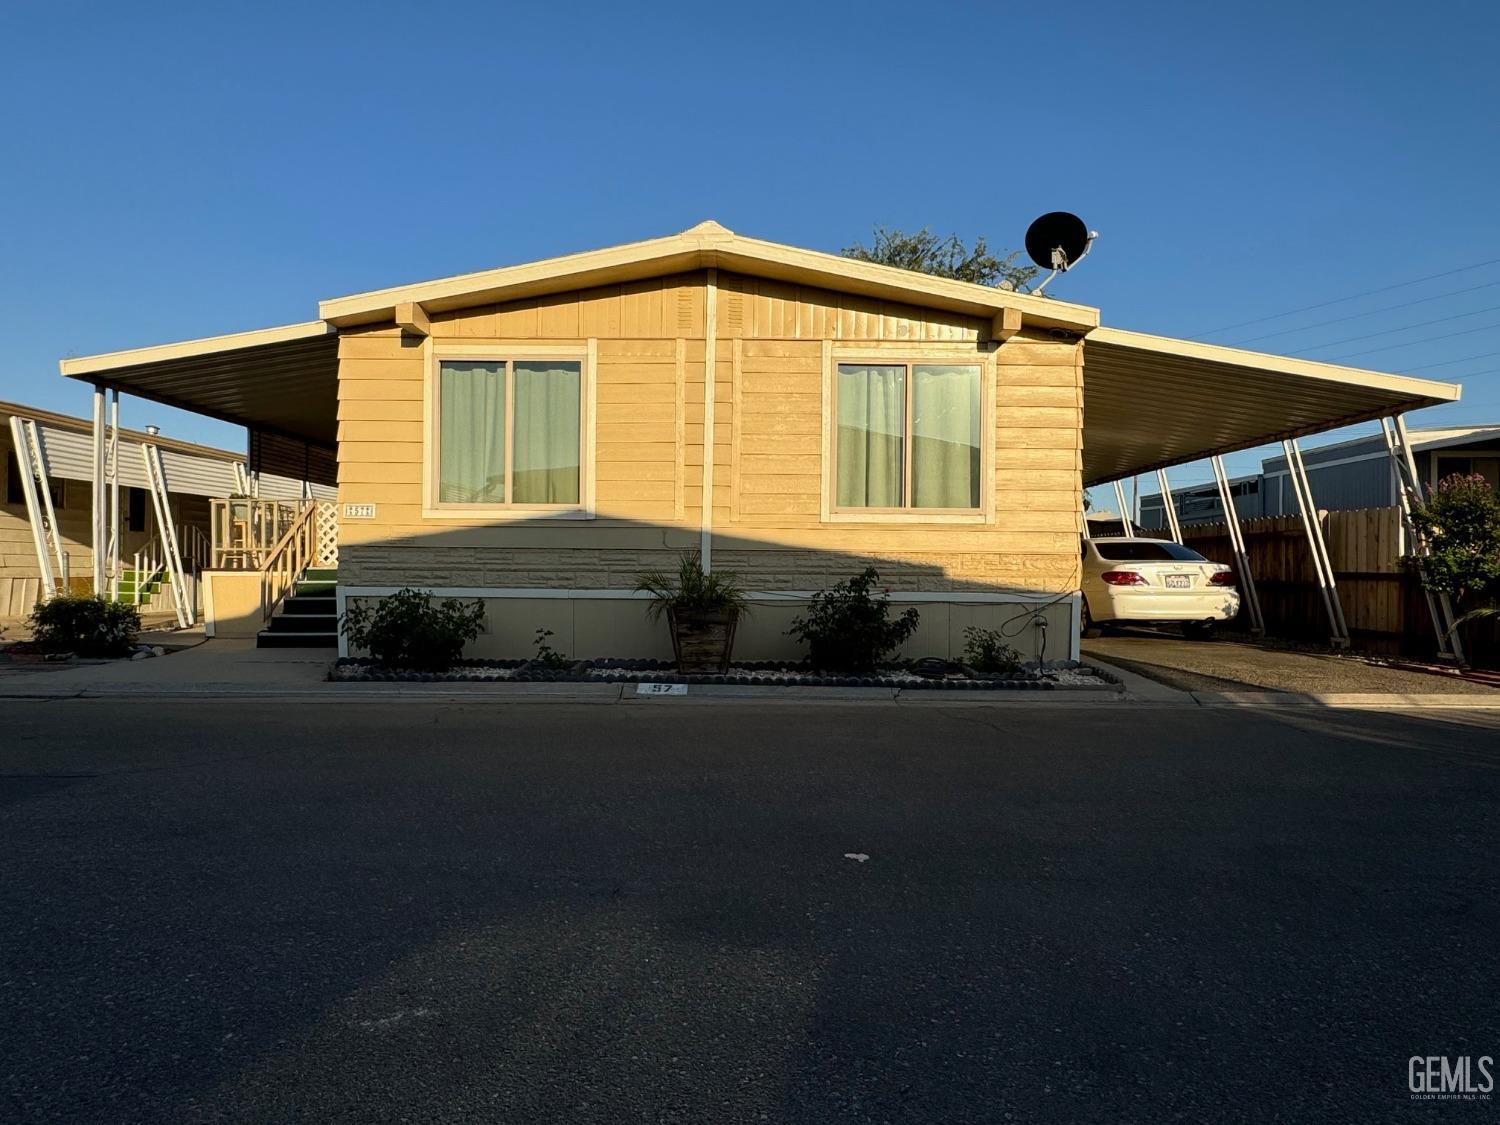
[[595, 623]]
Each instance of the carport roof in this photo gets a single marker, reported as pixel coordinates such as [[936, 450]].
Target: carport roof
[[1150, 402], [282, 380]]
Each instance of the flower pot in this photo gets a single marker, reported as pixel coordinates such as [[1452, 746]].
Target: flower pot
[[702, 642]]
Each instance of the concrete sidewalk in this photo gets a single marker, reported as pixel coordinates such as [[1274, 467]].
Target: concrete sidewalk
[[234, 666], [236, 669]]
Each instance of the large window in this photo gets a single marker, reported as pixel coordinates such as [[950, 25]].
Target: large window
[[908, 436], [509, 433]]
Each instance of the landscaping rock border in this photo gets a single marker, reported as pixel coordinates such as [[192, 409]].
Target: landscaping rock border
[[748, 674]]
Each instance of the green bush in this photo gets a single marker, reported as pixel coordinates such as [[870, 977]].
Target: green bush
[[986, 651], [406, 630], [846, 629], [1460, 522], [86, 625], [547, 656]]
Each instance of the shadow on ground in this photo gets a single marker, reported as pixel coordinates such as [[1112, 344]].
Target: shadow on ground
[[1227, 665], [444, 913]]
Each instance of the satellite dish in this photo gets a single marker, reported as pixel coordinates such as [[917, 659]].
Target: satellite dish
[[1058, 241]]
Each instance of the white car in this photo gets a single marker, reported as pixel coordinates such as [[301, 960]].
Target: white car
[[1155, 582]]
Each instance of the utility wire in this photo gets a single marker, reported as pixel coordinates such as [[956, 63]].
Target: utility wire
[[1362, 315], [1404, 328], [1451, 362], [1414, 343], [1341, 300]]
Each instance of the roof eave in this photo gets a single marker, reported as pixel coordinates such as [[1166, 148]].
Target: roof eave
[[81, 367], [703, 249]]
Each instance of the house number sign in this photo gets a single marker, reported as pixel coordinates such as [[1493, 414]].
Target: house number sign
[[359, 511]]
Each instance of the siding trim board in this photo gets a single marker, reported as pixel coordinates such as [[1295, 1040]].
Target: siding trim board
[[710, 361]]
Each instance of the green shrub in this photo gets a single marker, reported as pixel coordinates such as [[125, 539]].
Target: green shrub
[[847, 630], [406, 630], [691, 591], [1460, 522], [546, 655], [86, 625], [986, 651]]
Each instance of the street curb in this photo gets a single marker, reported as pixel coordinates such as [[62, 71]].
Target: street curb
[[1141, 689], [1137, 692], [1383, 701]]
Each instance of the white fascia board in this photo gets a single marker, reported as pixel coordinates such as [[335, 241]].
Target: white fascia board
[[83, 366]]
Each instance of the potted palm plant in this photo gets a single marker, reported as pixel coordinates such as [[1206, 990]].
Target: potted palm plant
[[702, 608]]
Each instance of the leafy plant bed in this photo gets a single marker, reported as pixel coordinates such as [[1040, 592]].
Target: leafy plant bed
[[750, 674]]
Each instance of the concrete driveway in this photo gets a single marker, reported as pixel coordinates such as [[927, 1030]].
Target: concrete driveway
[[377, 912], [1237, 666]]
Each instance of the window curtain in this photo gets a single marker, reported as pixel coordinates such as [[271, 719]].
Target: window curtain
[[945, 437], [871, 424], [471, 440], [546, 461]]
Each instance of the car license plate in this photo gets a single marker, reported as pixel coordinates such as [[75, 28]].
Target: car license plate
[[1179, 581]]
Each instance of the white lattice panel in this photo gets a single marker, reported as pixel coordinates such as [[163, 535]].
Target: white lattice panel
[[328, 533]]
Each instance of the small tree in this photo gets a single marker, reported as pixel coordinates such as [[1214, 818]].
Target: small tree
[[846, 629], [1460, 523], [926, 252]]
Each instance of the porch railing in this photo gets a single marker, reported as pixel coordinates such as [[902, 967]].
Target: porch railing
[[150, 560], [288, 560], [245, 530]]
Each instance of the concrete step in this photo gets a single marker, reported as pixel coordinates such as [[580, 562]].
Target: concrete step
[[303, 623], [314, 605], [269, 639]]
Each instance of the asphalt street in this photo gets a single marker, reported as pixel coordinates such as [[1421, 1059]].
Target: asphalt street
[[378, 912]]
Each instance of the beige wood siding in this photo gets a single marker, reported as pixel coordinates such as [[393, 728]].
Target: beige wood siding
[[775, 344], [774, 533], [646, 340]]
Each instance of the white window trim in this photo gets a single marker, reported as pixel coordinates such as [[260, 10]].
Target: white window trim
[[918, 354], [585, 353]]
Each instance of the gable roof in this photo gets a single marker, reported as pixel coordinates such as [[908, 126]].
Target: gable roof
[[705, 246], [1149, 401]]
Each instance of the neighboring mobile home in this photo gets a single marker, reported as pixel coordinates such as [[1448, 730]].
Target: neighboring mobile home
[[538, 435], [193, 474], [1348, 474]]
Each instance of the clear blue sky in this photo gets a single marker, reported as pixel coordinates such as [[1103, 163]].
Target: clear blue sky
[[169, 174]]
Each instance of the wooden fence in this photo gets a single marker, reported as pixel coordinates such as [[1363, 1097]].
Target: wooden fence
[[1383, 602]]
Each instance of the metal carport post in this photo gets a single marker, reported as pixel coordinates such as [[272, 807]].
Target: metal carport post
[[1169, 505], [99, 521], [1408, 491], [1237, 545], [1316, 544], [1127, 524]]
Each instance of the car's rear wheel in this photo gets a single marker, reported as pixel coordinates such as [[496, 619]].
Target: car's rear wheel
[[1199, 630], [1087, 628]]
